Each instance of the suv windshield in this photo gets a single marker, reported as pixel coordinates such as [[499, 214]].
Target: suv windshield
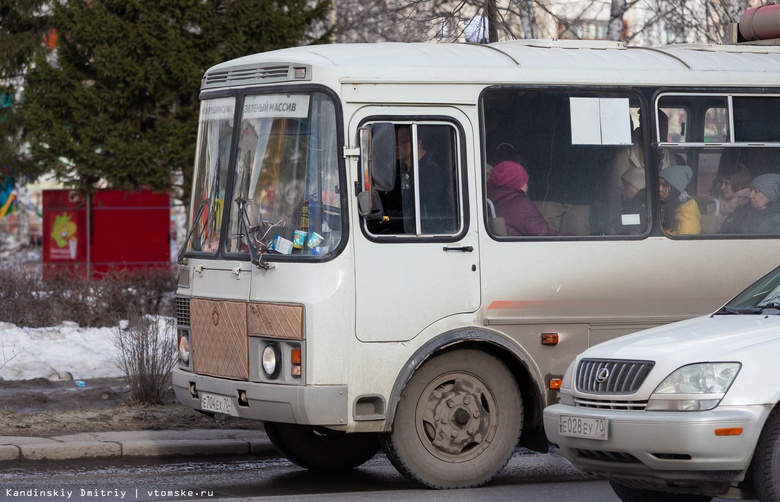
[[757, 299], [285, 180]]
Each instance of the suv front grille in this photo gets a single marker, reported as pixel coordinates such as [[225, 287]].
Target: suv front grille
[[610, 404], [611, 376]]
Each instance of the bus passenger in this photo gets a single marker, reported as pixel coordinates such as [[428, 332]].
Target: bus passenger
[[432, 184], [679, 211], [733, 195], [508, 189], [633, 216], [764, 215]]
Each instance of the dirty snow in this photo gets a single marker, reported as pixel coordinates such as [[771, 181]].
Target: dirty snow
[[58, 352]]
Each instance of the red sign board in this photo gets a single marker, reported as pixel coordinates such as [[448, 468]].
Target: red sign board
[[114, 229]]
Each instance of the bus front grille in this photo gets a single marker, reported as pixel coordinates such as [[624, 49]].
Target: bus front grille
[[182, 311], [219, 338]]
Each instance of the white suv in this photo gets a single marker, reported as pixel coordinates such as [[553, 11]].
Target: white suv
[[690, 408]]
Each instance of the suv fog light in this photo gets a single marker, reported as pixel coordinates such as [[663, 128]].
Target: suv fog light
[[272, 360], [184, 349]]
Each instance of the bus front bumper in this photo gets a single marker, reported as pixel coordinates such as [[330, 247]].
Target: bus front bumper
[[295, 404]]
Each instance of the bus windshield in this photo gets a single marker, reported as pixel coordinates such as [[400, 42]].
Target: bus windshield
[[285, 196]]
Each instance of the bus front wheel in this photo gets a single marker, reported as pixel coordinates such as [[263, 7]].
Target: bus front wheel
[[322, 449], [458, 421]]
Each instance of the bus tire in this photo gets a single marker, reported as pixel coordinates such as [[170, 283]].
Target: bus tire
[[458, 421], [322, 449], [627, 494], [765, 466]]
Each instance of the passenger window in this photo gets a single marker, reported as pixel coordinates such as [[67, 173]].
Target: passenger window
[[421, 197], [571, 150], [557, 163], [756, 119], [722, 163], [716, 125]]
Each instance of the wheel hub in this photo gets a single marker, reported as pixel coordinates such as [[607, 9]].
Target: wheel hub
[[456, 419]]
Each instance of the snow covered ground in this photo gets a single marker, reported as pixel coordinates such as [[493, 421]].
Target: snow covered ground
[[57, 351]]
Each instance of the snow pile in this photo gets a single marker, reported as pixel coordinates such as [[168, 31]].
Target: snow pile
[[57, 352], [13, 252]]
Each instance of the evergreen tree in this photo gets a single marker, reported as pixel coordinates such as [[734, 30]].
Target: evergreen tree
[[118, 99], [23, 30]]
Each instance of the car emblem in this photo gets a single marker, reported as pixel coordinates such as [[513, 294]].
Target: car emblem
[[602, 375]]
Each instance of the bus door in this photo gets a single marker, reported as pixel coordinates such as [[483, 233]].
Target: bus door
[[416, 258]]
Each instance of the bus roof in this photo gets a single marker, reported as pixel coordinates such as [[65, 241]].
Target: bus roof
[[520, 61]]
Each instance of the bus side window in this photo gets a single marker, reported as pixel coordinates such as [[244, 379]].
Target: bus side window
[[425, 198], [573, 174], [724, 162]]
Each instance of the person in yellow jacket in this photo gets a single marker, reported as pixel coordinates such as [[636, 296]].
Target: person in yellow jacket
[[679, 211]]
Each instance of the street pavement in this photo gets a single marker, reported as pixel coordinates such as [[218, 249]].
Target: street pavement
[[136, 444]]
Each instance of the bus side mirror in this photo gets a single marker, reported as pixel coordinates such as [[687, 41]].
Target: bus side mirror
[[370, 205], [378, 158], [382, 166]]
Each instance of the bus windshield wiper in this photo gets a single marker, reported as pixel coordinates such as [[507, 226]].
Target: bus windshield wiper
[[255, 255], [195, 220]]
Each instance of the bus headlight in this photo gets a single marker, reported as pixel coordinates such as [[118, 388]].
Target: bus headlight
[[271, 360], [184, 349]]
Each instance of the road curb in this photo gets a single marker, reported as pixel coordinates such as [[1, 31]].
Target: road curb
[[136, 444]]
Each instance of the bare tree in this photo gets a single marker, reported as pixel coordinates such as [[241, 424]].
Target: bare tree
[[688, 21], [645, 22], [616, 13]]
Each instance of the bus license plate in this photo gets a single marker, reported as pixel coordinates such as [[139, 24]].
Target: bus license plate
[[217, 404], [583, 427]]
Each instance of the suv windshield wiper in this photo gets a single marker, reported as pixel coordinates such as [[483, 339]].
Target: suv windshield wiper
[[738, 311], [770, 306], [753, 310]]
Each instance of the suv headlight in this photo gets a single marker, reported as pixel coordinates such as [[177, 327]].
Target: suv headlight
[[696, 387]]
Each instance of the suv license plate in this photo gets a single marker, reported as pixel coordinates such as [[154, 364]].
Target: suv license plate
[[217, 404], [583, 427]]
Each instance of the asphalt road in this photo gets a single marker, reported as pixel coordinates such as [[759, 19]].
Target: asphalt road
[[529, 477]]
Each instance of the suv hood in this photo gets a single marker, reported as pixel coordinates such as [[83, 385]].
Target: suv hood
[[713, 337]]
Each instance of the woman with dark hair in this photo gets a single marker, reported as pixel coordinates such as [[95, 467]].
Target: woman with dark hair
[[679, 211]]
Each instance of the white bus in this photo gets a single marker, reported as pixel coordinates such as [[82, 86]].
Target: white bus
[[348, 279]]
